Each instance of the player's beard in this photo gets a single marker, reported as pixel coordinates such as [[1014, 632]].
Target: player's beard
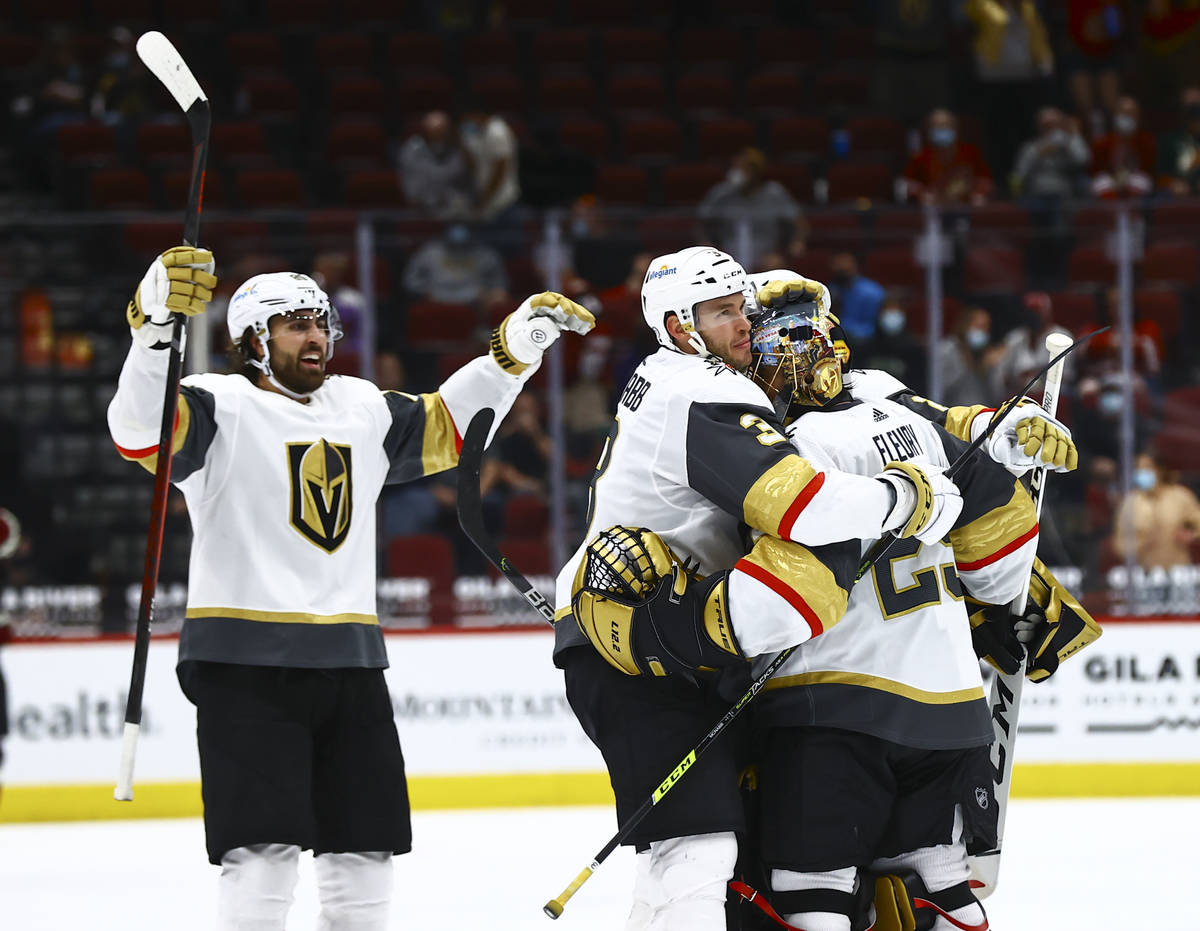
[[297, 376]]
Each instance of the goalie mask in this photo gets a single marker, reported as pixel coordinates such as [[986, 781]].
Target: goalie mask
[[794, 343], [287, 294]]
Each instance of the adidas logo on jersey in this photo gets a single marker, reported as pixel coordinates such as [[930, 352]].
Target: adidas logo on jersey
[[878, 415]]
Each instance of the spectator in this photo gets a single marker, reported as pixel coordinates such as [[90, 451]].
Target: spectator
[[966, 359], [1169, 61], [1096, 419], [330, 271], [1104, 350], [119, 96], [894, 348], [627, 294], [457, 268], [748, 215], [856, 298], [1179, 153], [434, 170], [587, 402], [492, 147], [947, 170], [1159, 520], [1024, 347], [1012, 62], [1123, 160], [1053, 166], [1095, 31], [522, 457]]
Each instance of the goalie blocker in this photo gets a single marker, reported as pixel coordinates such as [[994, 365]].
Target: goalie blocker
[[1055, 626]]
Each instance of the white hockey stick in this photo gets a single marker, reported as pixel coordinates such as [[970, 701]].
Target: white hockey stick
[[166, 64], [1005, 700]]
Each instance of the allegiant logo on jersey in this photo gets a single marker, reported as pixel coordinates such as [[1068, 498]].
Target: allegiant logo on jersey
[[661, 272]]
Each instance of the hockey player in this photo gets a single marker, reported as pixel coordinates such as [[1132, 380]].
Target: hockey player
[[281, 650], [875, 736], [696, 450]]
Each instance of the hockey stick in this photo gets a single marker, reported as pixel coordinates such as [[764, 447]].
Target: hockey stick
[[165, 63], [1004, 702], [880, 547]]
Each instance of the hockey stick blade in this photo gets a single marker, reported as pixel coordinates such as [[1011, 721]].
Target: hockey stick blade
[[880, 547], [470, 512], [165, 63]]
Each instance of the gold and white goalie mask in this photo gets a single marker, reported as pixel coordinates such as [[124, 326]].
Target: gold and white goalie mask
[[794, 340], [645, 613]]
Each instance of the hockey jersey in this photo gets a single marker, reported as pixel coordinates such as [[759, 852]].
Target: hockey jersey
[[695, 452], [282, 494], [900, 664]]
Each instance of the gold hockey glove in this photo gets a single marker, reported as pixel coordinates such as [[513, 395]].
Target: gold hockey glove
[[1029, 437], [645, 613], [525, 334], [181, 280]]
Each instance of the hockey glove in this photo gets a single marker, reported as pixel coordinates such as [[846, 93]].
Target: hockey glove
[[1054, 627], [927, 503], [525, 334], [181, 280], [645, 613], [1029, 437], [774, 294]]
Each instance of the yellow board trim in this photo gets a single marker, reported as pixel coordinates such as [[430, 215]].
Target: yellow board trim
[[19, 804], [439, 445], [283, 617], [837, 677]]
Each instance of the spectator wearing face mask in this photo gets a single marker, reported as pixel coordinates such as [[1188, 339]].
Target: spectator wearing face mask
[[1179, 151], [1096, 419], [1024, 347], [748, 215], [1123, 160], [967, 358], [947, 170], [894, 348], [456, 269], [1158, 522], [856, 298], [1052, 166], [434, 170]]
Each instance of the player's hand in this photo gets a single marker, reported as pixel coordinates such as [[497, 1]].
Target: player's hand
[[775, 294], [181, 280], [1029, 437], [927, 502], [525, 334]]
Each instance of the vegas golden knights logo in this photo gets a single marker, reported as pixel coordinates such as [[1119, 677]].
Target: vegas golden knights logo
[[321, 493]]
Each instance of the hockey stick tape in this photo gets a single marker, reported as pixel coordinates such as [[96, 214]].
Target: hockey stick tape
[[164, 61]]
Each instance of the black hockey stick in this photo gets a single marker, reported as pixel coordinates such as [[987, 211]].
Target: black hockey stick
[[161, 57], [880, 547]]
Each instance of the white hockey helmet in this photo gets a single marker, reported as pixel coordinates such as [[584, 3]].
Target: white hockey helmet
[[675, 283], [262, 297]]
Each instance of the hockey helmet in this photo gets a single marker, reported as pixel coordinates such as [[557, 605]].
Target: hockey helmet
[[675, 283], [287, 293], [795, 345]]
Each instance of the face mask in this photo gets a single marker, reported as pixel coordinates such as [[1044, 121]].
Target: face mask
[[737, 177], [1145, 479], [457, 235], [976, 338], [1057, 137], [891, 321], [942, 136], [1111, 402], [1125, 124]]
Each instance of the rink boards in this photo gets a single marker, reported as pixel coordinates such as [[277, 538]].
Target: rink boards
[[484, 723]]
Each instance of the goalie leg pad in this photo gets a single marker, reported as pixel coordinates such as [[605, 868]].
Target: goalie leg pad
[[256, 886], [690, 874], [355, 890]]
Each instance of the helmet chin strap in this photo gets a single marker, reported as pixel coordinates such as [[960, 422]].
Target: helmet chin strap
[[696, 341], [264, 366]]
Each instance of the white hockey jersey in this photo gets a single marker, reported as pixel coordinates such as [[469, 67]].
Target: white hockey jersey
[[900, 664], [282, 498], [695, 452]]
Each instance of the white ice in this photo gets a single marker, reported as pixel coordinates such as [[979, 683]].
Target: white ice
[[1068, 865]]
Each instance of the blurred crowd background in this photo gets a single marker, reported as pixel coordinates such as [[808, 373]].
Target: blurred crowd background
[[967, 176]]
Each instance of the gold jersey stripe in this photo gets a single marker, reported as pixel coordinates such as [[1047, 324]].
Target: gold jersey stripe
[[441, 444], [958, 420], [561, 613], [840, 677], [281, 617], [998, 528], [183, 421], [792, 571], [771, 497]]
